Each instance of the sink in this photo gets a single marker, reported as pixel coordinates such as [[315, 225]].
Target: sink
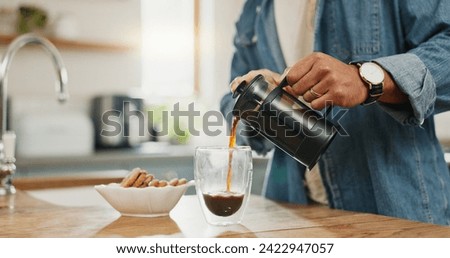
[[70, 197]]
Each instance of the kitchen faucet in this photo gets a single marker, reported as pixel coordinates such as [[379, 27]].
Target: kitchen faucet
[[7, 138]]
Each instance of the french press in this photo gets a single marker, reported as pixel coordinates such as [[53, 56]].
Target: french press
[[291, 125]]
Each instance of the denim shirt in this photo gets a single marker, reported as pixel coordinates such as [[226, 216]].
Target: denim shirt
[[390, 162]]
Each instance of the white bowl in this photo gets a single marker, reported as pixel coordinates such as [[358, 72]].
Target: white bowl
[[142, 202]]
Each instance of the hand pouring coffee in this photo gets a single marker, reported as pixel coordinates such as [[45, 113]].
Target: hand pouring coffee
[[284, 120]]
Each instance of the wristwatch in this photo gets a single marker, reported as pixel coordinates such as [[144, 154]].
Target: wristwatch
[[373, 75]]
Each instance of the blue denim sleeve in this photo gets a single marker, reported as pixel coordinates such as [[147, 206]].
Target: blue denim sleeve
[[423, 72], [414, 79]]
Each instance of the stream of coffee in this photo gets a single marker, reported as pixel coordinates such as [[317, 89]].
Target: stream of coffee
[[231, 144], [226, 203]]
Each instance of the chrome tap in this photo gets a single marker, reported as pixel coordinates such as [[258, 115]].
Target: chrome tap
[[7, 139]]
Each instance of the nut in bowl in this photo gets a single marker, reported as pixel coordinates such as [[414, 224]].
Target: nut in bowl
[[151, 200]]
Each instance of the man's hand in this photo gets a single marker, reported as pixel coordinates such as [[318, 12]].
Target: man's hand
[[322, 79]]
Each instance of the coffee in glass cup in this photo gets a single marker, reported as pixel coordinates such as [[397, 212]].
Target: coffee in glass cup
[[223, 195]]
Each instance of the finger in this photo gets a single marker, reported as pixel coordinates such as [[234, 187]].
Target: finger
[[306, 82], [289, 90], [309, 96], [321, 87], [235, 82], [321, 103], [270, 76], [285, 72], [299, 70], [316, 91], [306, 76]]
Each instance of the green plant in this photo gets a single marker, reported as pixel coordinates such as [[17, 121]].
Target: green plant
[[31, 18]]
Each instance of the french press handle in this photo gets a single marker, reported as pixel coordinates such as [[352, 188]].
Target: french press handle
[[277, 91], [283, 83]]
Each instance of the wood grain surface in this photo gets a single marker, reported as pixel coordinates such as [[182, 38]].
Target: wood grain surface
[[23, 216]]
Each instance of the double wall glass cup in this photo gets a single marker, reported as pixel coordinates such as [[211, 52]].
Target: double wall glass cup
[[223, 178]]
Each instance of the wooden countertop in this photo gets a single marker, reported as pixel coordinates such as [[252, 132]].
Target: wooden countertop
[[22, 215]]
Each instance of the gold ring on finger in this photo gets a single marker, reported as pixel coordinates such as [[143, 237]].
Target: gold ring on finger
[[315, 94]]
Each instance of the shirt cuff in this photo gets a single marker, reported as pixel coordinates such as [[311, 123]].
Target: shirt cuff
[[415, 80]]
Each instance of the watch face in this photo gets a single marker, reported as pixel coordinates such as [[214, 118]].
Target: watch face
[[372, 72]]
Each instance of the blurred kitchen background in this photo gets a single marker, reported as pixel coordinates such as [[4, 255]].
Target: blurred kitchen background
[[154, 53]]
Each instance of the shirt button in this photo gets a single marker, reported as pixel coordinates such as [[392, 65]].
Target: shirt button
[[258, 9], [254, 39]]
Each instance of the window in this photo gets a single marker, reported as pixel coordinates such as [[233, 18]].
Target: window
[[168, 47]]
